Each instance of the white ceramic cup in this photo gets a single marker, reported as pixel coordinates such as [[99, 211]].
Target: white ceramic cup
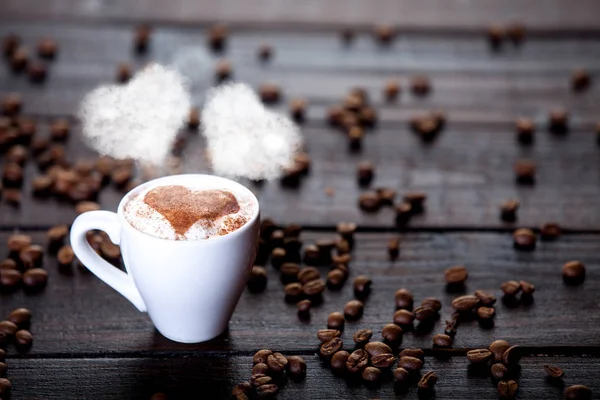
[[189, 288]]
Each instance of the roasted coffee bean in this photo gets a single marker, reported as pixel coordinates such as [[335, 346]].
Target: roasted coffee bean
[[292, 246], [141, 38], [41, 185], [410, 363], [384, 33], [278, 257], [403, 213], [59, 129], [401, 375], [432, 302], [289, 272], [346, 230], [260, 369], [479, 356], [110, 251], [296, 366], [550, 231], [264, 52], [508, 390], [496, 35], [393, 248], [298, 109], [442, 340], [355, 137], [404, 299], [511, 356], [392, 334], [314, 287], [371, 374], [525, 171], [508, 210], [16, 154], [86, 206], [5, 386], [353, 309], [524, 239], [261, 356], [576, 392], [330, 348], [386, 196], [420, 85], [8, 328], [325, 335], [573, 272], [516, 33], [428, 381], [580, 80], [365, 173], [223, 70], [17, 242], [23, 339], [9, 263], [267, 391], [10, 43], [217, 37], [242, 388], [35, 278], [525, 130], [404, 317], [391, 90], [258, 279], [362, 336], [308, 274], [553, 371], [269, 92], [57, 234], [377, 348], [304, 307], [123, 73], [293, 290], [47, 48], [451, 326], [311, 255], [357, 361], [485, 313], [465, 303], [65, 255], [558, 121], [498, 347], [19, 316], [37, 71], [12, 175], [13, 196], [416, 353], [485, 298], [336, 320], [338, 361], [277, 362], [193, 121], [10, 278], [527, 288], [362, 286], [499, 371], [19, 59], [456, 275], [336, 278], [511, 288], [416, 201], [424, 313]]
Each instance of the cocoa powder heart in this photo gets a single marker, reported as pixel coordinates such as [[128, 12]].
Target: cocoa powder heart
[[183, 207]]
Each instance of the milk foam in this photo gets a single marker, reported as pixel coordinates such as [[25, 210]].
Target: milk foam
[[145, 219]]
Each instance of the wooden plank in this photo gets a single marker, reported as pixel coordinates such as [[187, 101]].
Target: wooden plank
[[430, 14], [77, 314], [214, 377]]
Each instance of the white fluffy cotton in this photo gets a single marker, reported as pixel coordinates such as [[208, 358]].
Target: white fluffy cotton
[[139, 120], [245, 139]]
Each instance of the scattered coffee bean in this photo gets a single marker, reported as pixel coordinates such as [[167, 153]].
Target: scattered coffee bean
[[223, 70], [511, 356], [525, 130], [314, 287], [498, 347], [270, 93], [578, 392], [37, 71], [217, 37], [404, 317], [298, 109], [10, 278], [424, 313], [392, 334], [401, 375], [527, 288], [479, 356], [486, 313], [420, 85], [35, 278], [550, 231], [267, 391], [141, 38], [516, 33], [12, 175], [336, 278], [123, 73], [496, 35], [57, 234], [362, 286], [465, 303], [47, 48], [293, 290], [65, 255], [13, 196], [525, 171], [258, 279], [391, 90], [353, 309], [511, 288], [485, 298], [377, 348], [428, 381], [403, 213], [5, 386], [304, 307], [384, 33], [19, 317], [365, 173], [404, 299], [410, 363], [416, 201], [330, 348], [432, 302], [573, 272], [9, 328], [16, 154], [325, 335], [553, 371], [524, 239], [371, 374], [296, 366], [277, 362], [499, 371], [416, 353], [508, 389], [23, 339], [394, 248], [338, 361], [357, 361], [261, 356], [580, 80], [355, 137], [9, 44], [19, 59], [442, 340], [289, 272], [9, 263], [558, 121], [260, 369], [362, 336], [386, 196], [456, 275], [336, 320], [308, 274], [383, 360]]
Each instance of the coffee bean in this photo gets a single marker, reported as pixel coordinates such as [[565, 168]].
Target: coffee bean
[[362, 286], [223, 70], [576, 392], [37, 71], [365, 173], [425, 313], [304, 307], [289, 272], [314, 287], [330, 348], [384, 33], [525, 171], [371, 374], [17, 242], [499, 371], [433, 303], [277, 362], [16, 154], [479, 356], [35, 278], [355, 137], [258, 279], [357, 361], [508, 389], [392, 334], [485, 298], [10, 43], [456, 275], [24, 339], [266, 391], [278, 256], [296, 366], [298, 109], [511, 356], [308, 274], [12, 175], [362, 336], [292, 246], [260, 369], [404, 299], [261, 356], [525, 130], [47, 48], [19, 59], [558, 121], [553, 371], [428, 381], [404, 317], [420, 85], [410, 363], [511, 288], [9, 328], [516, 33], [86, 206], [442, 340], [485, 313], [123, 73], [403, 213], [293, 290], [416, 200], [573, 272], [336, 320], [465, 303], [391, 90], [401, 375], [336, 278], [13, 196], [57, 234], [338, 361], [550, 231], [416, 353], [41, 185], [65, 255], [19, 316], [580, 80], [393, 248], [451, 326], [325, 335], [353, 309], [10, 278], [269, 92], [527, 288], [498, 347], [524, 239], [377, 348], [5, 386]]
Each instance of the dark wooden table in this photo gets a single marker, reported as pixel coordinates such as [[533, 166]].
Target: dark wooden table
[[91, 343]]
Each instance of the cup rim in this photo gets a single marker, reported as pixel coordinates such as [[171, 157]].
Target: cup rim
[[153, 182]]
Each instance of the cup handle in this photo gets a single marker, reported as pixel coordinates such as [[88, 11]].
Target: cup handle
[[108, 222]]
